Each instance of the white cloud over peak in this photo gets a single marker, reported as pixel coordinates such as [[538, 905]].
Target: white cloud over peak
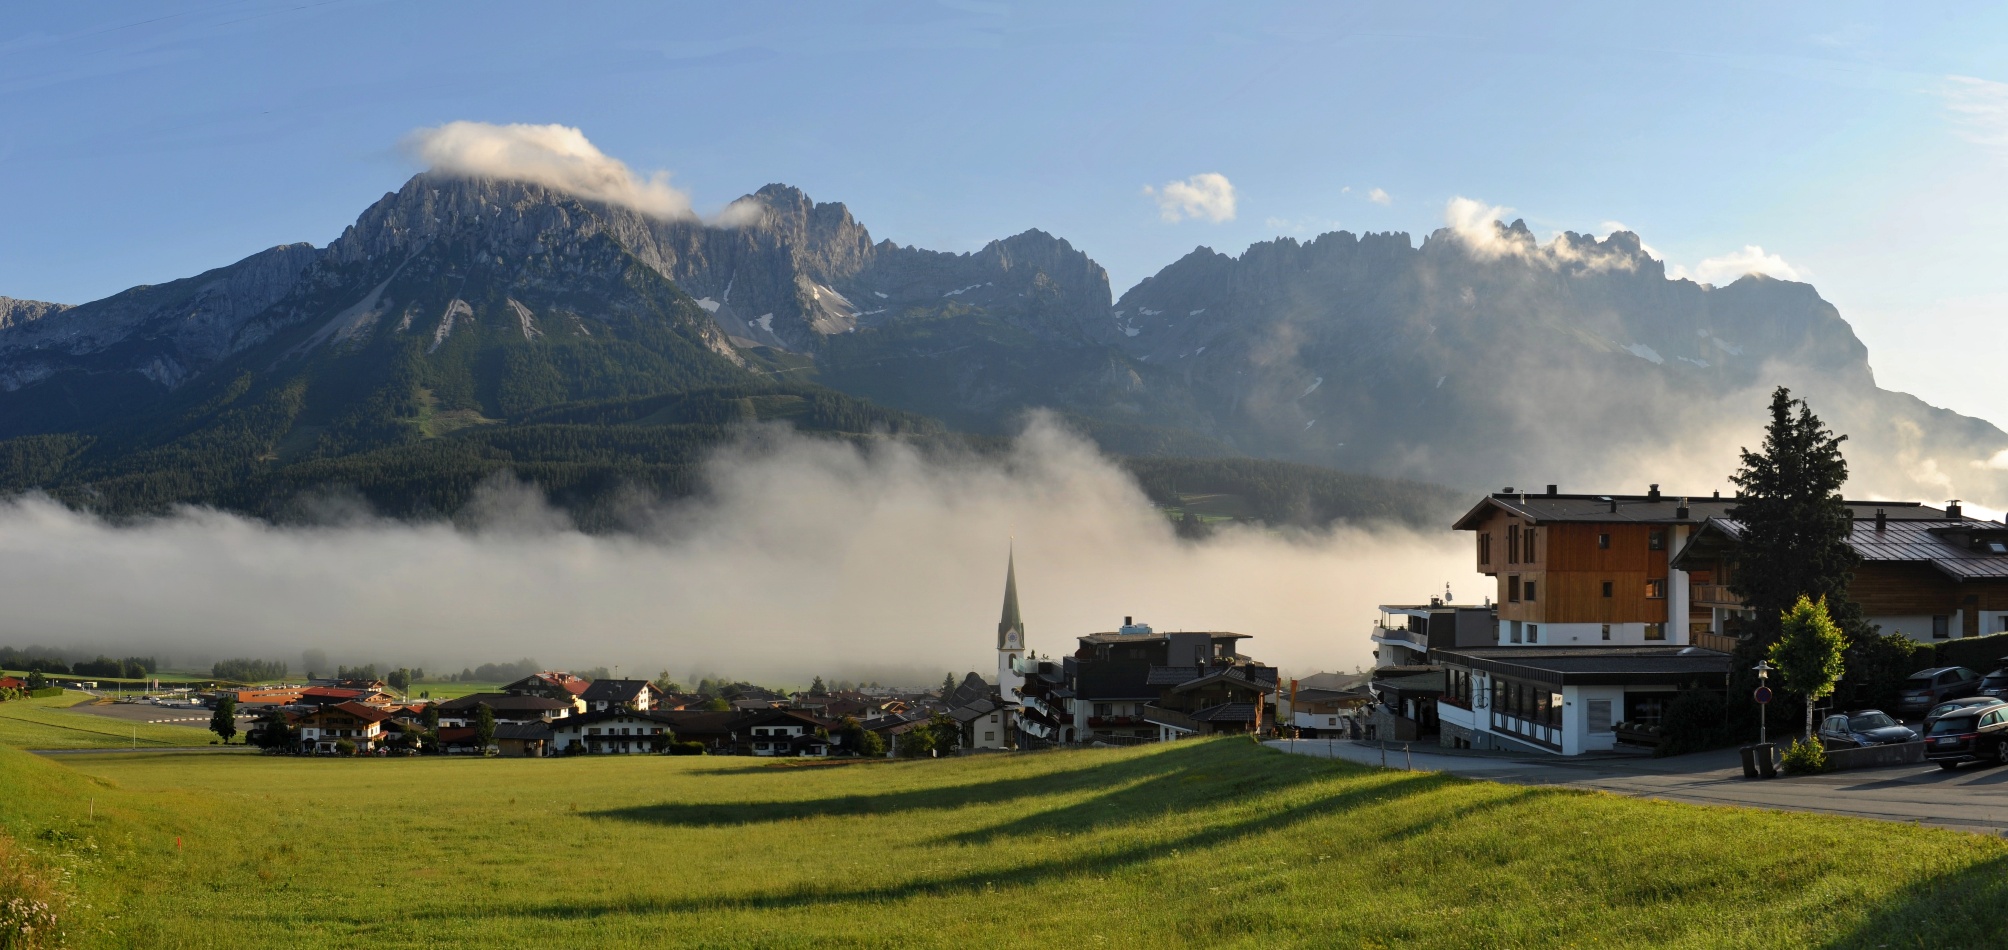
[[1726, 268], [1206, 195], [1478, 227], [1978, 107], [555, 156], [1380, 197]]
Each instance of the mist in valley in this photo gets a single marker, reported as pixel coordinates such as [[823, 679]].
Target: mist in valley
[[801, 557]]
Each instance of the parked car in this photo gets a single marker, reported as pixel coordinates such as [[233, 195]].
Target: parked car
[[1861, 728], [1954, 705], [1991, 741], [1995, 684], [1956, 736], [1927, 688]]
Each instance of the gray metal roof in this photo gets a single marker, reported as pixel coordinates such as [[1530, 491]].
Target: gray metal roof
[[1592, 665], [1943, 543], [1645, 509]]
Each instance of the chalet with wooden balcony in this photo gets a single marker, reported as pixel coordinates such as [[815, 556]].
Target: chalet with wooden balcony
[[1928, 573], [1404, 634]]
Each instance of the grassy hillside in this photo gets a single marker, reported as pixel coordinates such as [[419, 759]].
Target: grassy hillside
[[50, 723], [1217, 843]]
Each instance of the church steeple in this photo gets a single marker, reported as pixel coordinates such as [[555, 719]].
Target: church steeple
[[1011, 629]]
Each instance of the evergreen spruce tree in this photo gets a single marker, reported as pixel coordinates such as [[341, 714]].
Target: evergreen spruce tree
[[947, 685], [1795, 527], [818, 689]]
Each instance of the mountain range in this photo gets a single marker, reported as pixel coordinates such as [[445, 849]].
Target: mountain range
[[465, 326]]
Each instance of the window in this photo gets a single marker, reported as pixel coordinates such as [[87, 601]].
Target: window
[[1512, 544], [1529, 591], [1656, 540], [1485, 548], [1555, 704], [1607, 588], [1527, 539], [1600, 715], [2004, 623], [1655, 631], [1941, 627], [1513, 588], [1607, 627], [1516, 631], [1101, 709], [1603, 542], [1533, 633], [989, 736], [1655, 589]]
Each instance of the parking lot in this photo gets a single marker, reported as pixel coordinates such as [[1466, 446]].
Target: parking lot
[[181, 714]]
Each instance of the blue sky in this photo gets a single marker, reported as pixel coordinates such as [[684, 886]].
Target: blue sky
[[1861, 147]]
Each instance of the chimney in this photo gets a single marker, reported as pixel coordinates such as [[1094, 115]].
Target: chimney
[[1551, 491], [1681, 512], [1718, 493], [1129, 621], [1952, 510], [1614, 504], [1508, 491], [1882, 520], [1653, 495]]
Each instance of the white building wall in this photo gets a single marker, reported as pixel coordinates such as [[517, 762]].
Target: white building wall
[[1576, 717], [1916, 627], [1591, 634], [1677, 591]]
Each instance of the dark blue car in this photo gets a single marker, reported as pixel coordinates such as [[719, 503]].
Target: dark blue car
[[1863, 727]]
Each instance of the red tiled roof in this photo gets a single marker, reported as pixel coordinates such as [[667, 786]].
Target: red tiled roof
[[8, 682], [363, 712], [332, 692]]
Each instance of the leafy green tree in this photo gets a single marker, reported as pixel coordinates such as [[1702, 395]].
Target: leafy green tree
[[484, 728], [915, 743], [1877, 664], [37, 681], [947, 733], [1809, 653], [717, 704], [271, 731], [223, 722], [817, 688], [665, 684], [399, 679], [431, 717], [858, 740], [1795, 528]]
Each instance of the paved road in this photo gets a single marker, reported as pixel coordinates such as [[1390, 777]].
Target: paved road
[[1971, 798], [184, 715]]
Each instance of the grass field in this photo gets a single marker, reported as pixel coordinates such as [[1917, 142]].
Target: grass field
[[1214, 843], [49, 723], [445, 689]]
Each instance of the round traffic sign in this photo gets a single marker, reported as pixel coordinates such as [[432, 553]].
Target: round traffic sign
[[1763, 694]]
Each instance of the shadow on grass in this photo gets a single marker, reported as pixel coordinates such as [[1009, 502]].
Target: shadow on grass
[[1145, 794], [1197, 755], [1958, 909]]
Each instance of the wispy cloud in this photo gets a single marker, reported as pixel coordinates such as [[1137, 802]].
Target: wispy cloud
[[555, 156], [1978, 108], [1725, 268], [1206, 195], [1380, 197]]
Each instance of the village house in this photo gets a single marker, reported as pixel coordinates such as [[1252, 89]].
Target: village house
[[614, 731], [1930, 574], [711, 729], [782, 732], [323, 729], [507, 707], [602, 695]]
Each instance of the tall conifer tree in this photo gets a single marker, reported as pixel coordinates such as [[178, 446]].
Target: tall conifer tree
[[1795, 527]]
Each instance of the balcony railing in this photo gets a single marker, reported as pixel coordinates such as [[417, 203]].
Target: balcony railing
[[1096, 722], [1715, 595], [1401, 636], [1712, 641]]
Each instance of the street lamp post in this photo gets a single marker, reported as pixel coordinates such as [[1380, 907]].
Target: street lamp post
[[1763, 669]]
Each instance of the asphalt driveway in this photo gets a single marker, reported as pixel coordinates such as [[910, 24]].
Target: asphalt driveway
[[1971, 798]]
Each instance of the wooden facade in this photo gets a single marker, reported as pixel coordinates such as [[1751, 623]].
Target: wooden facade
[[1572, 565]]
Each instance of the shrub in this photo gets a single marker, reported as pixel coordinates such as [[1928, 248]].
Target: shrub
[[345, 747], [692, 747], [1694, 722], [29, 905], [1805, 758]]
